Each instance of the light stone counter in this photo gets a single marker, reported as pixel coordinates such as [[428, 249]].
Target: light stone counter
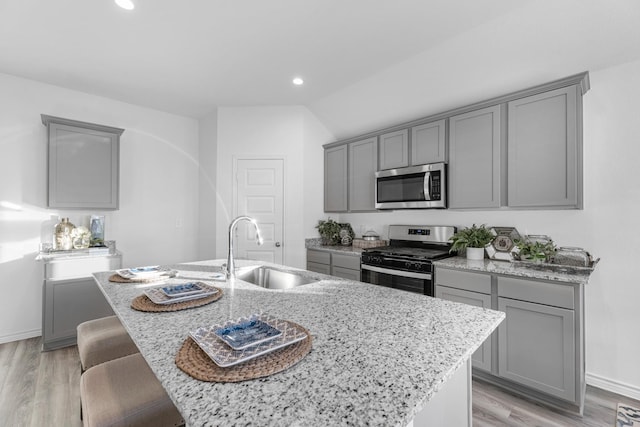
[[316, 244], [379, 355], [579, 275]]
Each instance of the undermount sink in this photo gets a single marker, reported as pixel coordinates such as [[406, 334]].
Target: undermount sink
[[271, 278]]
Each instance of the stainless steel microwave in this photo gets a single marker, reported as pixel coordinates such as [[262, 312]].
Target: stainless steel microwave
[[414, 187]]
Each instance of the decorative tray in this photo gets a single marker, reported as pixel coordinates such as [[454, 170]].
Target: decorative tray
[[158, 296], [246, 333], [224, 356], [150, 273], [183, 289]]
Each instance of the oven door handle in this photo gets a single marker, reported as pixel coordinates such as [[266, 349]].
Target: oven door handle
[[411, 274]]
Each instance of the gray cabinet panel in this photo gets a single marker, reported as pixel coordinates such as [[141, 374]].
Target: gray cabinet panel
[[537, 347], [83, 164], [548, 293], [363, 164], [334, 264], [475, 156], [335, 179], [394, 149], [345, 273], [346, 261], [544, 154], [69, 303], [319, 268], [71, 296], [428, 143], [474, 282], [319, 257], [481, 358]]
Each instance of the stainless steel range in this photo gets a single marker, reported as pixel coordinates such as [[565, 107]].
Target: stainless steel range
[[406, 263]]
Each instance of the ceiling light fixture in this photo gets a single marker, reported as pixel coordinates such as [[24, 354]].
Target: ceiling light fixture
[[126, 4], [298, 81]]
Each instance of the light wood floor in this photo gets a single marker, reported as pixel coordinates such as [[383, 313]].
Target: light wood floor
[[42, 389]]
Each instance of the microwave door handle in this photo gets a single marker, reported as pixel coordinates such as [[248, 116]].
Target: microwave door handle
[[427, 186]]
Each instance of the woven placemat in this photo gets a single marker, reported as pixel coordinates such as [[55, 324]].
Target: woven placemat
[[119, 279], [143, 303], [194, 361]]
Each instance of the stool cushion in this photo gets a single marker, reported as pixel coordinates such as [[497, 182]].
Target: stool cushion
[[125, 392], [101, 340]]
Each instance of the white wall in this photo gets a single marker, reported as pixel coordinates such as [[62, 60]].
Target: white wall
[[158, 218], [291, 133], [605, 226], [207, 187]]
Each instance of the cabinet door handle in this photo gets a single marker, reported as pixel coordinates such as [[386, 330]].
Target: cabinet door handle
[[277, 244]]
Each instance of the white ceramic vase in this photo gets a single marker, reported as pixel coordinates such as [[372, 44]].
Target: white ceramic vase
[[475, 253]]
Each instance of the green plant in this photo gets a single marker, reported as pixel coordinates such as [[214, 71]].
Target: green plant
[[329, 231], [535, 250], [471, 237]]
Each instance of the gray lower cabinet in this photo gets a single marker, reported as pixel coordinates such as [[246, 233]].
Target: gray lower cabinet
[[71, 296], [472, 289], [363, 164], [335, 179], [394, 149], [481, 359], [428, 143], [538, 349], [333, 264], [475, 140], [319, 261], [544, 150], [345, 266]]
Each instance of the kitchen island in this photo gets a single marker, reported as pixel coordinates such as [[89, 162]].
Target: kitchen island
[[380, 356]]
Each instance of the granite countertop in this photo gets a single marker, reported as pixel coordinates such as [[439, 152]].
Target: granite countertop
[[76, 254], [378, 354], [317, 245], [579, 275]]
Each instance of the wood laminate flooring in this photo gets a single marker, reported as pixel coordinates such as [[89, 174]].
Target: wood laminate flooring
[[43, 389]]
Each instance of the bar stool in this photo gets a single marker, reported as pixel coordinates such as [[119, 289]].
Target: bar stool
[[125, 392], [101, 340]]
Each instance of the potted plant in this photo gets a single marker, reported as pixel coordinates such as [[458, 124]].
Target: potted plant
[[329, 231], [535, 248], [472, 239]]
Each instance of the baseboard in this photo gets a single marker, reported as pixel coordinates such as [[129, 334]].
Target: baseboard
[[21, 336], [614, 386]]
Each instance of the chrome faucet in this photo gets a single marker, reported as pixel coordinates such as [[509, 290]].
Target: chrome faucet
[[231, 266]]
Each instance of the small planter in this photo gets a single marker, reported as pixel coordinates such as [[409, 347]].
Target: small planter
[[475, 253]]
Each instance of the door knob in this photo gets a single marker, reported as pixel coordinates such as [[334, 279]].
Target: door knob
[[277, 244]]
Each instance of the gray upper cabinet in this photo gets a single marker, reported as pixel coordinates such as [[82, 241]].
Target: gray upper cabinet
[[475, 154], [363, 162], [394, 149], [83, 162], [544, 152], [428, 143], [335, 179]]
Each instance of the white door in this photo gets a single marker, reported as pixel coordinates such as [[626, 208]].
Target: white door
[[260, 195]]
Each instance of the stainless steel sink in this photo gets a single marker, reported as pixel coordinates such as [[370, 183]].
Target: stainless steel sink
[[271, 278]]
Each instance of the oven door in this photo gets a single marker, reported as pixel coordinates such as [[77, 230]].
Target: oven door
[[398, 279]]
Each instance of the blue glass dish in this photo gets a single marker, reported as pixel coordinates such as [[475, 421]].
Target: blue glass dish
[[182, 289], [247, 333]]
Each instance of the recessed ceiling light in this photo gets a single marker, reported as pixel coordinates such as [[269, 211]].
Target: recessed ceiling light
[[298, 81], [126, 4]]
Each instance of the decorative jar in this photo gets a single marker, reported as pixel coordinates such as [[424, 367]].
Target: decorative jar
[[62, 238]]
